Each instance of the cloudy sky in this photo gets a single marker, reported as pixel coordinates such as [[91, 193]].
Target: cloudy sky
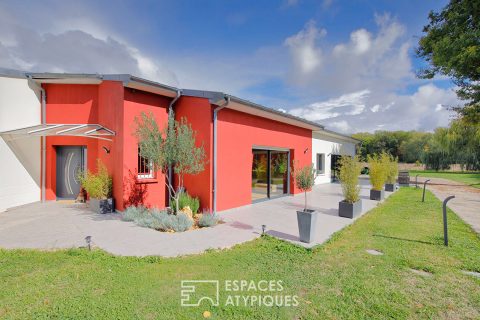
[[349, 65]]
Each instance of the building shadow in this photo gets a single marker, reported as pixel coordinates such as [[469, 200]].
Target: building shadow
[[134, 193]]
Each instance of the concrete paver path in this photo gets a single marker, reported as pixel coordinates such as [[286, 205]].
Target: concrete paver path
[[466, 203], [54, 225]]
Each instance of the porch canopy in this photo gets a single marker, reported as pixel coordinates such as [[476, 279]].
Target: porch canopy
[[95, 131]]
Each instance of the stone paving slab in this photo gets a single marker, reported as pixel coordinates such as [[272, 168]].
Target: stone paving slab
[[54, 225]]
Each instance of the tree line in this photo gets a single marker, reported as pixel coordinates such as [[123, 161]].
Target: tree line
[[457, 144]]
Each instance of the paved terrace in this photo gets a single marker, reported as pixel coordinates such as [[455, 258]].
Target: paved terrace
[[55, 225]]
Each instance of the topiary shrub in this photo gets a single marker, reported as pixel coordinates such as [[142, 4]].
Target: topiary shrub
[[304, 178], [350, 169], [208, 219], [99, 185], [377, 170]]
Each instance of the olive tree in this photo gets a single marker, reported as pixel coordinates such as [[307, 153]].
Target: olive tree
[[304, 178], [171, 147]]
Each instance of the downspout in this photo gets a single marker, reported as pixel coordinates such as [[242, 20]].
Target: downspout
[[171, 113], [43, 138], [215, 117]]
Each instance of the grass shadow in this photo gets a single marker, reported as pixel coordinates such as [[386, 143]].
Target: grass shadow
[[403, 239]]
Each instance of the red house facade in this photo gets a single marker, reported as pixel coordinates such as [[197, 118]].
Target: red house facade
[[250, 148]]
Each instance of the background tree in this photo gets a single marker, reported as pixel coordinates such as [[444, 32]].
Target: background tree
[[173, 146], [451, 47]]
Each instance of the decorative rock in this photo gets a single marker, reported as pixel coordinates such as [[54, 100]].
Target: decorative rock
[[188, 212], [421, 272], [471, 273], [374, 252]]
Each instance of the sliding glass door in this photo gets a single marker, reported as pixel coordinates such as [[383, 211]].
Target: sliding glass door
[[270, 170]]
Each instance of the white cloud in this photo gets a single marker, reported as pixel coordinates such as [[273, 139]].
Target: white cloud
[[306, 56], [347, 104], [366, 111], [373, 60]]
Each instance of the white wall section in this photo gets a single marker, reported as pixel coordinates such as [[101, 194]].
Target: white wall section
[[329, 145], [19, 155]]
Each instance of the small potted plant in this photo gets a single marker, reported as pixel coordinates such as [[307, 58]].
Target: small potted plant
[[351, 205], [307, 219], [377, 171], [99, 189], [392, 172]]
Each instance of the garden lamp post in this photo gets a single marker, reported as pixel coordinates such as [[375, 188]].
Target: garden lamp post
[[445, 228], [424, 186]]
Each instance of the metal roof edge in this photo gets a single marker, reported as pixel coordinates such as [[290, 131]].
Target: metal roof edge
[[338, 135]]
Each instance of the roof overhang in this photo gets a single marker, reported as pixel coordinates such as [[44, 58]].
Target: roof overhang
[[95, 131], [245, 106], [332, 134]]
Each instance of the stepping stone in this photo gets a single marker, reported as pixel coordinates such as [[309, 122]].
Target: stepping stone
[[374, 252], [471, 273], [421, 272]]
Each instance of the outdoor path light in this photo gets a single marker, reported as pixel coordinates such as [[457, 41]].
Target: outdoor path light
[[264, 226], [445, 228], [416, 181], [88, 239], [424, 186]]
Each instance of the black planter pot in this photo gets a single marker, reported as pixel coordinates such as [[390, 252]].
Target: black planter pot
[[390, 187], [102, 205], [377, 194], [349, 210], [307, 223]]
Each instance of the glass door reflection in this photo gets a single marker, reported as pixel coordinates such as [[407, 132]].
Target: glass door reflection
[[269, 174]]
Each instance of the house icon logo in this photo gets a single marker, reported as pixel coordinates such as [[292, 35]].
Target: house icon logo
[[194, 292]]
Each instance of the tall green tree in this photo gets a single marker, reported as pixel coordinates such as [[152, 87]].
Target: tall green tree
[[451, 47], [173, 147]]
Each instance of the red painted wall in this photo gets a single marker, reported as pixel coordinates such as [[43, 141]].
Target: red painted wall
[[237, 134], [150, 192], [198, 113], [69, 104]]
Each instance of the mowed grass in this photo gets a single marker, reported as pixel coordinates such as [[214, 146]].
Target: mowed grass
[[469, 178], [338, 280]]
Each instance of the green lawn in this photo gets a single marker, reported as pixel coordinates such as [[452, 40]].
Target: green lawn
[[469, 178], [338, 280]]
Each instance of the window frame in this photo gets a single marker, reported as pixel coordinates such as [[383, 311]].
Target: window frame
[[145, 174], [320, 156]]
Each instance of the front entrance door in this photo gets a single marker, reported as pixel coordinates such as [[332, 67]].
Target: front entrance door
[[69, 163]]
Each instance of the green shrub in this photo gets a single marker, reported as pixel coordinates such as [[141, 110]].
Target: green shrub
[[185, 200], [392, 168], [350, 169], [132, 213], [377, 170], [208, 219], [97, 185], [180, 222], [157, 219]]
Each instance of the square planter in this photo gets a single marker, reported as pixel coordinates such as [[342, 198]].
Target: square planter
[[390, 187], [349, 210], [307, 223], [102, 205], [377, 194]]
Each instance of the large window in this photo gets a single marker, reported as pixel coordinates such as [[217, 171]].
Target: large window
[[145, 167], [320, 163]]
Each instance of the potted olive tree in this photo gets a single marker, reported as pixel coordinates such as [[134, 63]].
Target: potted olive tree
[[351, 205], [99, 189], [378, 176], [392, 172], [307, 219]]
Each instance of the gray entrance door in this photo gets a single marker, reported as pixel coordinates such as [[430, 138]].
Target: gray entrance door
[[69, 164]]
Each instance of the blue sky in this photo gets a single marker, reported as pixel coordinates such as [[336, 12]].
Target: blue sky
[[349, 65]]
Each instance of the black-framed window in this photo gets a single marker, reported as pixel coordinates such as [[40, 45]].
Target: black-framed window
[[145, 167], [320, 165]]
